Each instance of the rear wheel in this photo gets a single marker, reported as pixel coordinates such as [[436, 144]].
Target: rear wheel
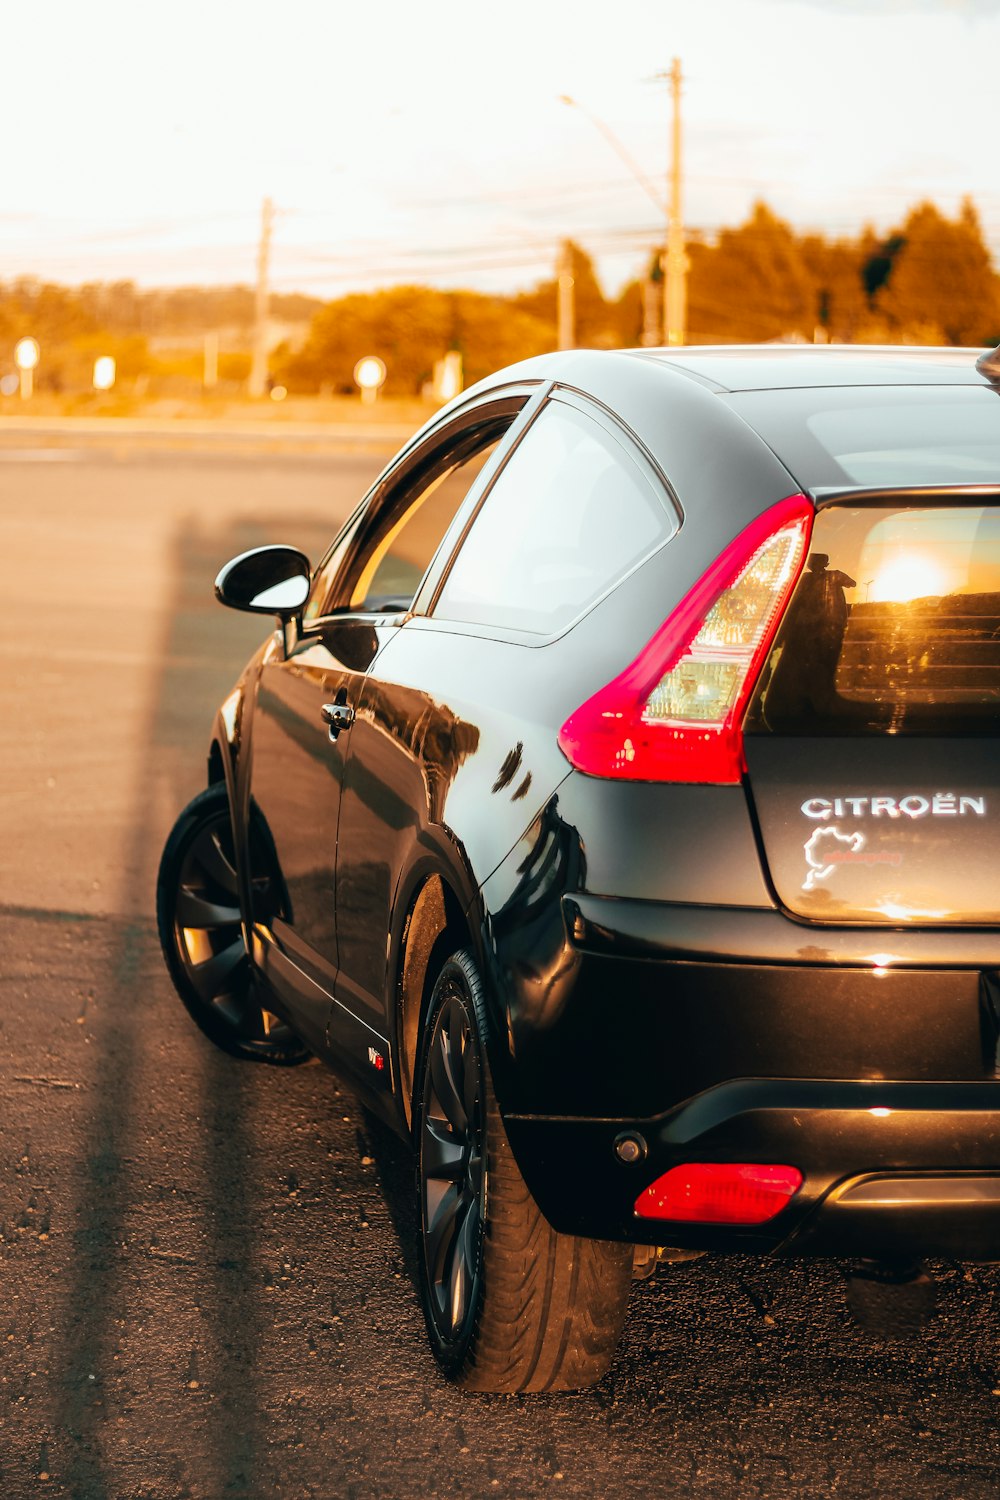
[[510, 1304], [198, 915]]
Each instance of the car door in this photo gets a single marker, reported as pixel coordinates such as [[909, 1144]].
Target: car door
[[306, 704]]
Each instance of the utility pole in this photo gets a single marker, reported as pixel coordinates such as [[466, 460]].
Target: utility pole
[[675, 261], [565, 299], [652, 297], [258, 367]]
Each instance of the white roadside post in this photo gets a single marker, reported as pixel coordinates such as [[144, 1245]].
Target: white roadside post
[[369, 376], [26, 357], [104, 372]]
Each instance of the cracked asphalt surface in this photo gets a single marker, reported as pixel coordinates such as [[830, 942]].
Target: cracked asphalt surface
[[208, 1266]]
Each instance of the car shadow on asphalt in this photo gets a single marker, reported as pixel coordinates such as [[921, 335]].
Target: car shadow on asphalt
[[126, 1267]]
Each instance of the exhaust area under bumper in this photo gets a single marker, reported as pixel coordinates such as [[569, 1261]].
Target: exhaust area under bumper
[[880, 1163]]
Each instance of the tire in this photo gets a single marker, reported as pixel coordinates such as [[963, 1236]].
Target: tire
[[510, 1304], [201, 934]]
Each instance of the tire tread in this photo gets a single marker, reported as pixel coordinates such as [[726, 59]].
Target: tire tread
[[552, 1305]]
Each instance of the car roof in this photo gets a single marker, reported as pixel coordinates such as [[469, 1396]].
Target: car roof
[[721, 420], [758, 367]]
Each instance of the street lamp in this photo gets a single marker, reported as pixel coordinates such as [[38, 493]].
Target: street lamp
[[619, 150], [26, 357], [675, 263]]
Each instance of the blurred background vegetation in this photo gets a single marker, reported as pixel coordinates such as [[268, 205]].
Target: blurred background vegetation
[[929, 281]]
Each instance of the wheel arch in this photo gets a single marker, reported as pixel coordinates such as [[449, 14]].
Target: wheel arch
[[216, 763], [222, 770], [435, 926]]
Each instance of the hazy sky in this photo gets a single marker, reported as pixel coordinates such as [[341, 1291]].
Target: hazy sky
[[407, 141]]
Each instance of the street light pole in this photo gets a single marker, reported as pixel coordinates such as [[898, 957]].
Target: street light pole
[[618, 149], [258, 368], [565, 299], [675, 261], [650, 334]]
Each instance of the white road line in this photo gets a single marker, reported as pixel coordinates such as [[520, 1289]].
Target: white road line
[[40, 455]]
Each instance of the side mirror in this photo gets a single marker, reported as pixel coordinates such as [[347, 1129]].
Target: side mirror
[[266, 581]]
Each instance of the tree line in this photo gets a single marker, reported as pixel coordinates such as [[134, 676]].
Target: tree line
[[76, 325], [929, 280]]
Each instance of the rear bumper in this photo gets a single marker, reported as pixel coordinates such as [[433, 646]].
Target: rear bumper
[[625, 1010], [890, 1169], [866, 1058]]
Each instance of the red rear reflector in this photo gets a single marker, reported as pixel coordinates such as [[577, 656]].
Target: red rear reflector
[[675, 713], [719, 1192]]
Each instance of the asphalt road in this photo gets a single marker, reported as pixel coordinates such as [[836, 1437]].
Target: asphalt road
[[207, 1267]]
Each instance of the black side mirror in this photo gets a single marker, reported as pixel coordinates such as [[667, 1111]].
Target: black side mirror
[[266, 581]]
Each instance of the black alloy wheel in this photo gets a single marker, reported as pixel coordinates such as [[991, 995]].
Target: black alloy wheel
[[452, 1173], [198, 915], [510, 1304]]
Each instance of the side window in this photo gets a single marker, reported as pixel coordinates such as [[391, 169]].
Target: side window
[[377, 567], [391, 568], [571, 512]]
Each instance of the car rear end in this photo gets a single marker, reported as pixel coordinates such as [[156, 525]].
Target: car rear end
[[778, 1026]]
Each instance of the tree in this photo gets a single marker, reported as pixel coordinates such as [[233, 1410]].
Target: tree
[[594, 317], [753, 284], [877, 260], [408, 327], [629, 315], [491, 332], [51, 314], [411, 328], [835, 268], [639, 303], [941, 279]]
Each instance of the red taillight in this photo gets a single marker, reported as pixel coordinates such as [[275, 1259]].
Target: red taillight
[[675, 712], [719, 1192]]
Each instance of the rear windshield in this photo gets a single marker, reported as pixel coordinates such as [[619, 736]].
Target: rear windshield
[[894, 627], [880, 435]]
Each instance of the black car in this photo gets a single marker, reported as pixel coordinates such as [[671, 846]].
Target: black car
[[617, 809]]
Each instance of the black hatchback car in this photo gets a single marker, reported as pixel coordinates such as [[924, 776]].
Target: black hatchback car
[[616, 808]]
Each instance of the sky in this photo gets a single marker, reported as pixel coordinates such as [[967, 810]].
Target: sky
[[409, 142]]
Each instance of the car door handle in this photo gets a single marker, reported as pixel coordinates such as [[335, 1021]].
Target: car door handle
[[337, 716]]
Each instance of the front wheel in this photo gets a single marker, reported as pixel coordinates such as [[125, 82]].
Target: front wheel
[[511, 1305], [201, 934]]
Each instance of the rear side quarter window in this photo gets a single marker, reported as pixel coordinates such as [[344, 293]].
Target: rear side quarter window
[[573, 510]]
